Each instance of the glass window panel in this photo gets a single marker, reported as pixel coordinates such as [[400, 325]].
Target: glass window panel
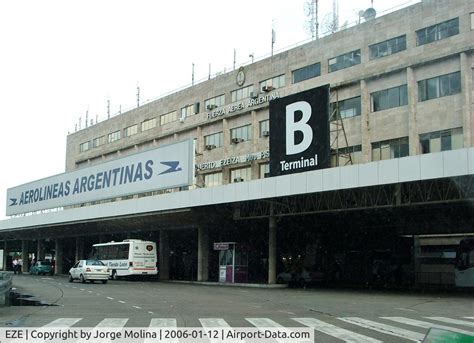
[[455, 82], [264, 170], [435, 144], [432, 86], [457, 138], [403, 95], [422, 90], [385, 151], [445, 140]]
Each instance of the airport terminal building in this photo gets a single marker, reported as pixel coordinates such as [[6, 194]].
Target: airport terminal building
[[351, 148]]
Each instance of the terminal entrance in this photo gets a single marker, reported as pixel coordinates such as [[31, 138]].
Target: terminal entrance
[[233, 263]]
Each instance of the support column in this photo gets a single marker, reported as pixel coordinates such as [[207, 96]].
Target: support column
[[416, 258], [58, 267], [272, 249], [39, 250], [466, 82], [164, 254], [79, 249], [5, 254], [365, 124], [412, 89], [24, 256], [203, 254]]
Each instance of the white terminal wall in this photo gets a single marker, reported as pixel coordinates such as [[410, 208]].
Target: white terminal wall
[[414, 168]]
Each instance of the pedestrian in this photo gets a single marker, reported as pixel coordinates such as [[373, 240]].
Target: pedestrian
[[20, 265], [15, 265]]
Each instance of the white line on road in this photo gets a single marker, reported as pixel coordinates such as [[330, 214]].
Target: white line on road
[[110, 298], [287, 312], [452, 321], [332, 330], [150, 312], [384, 328], [404, 309], [121, 301], [62, 322], [163, 323], [213, 323], [264, 323], [137, 307], [426, 325]]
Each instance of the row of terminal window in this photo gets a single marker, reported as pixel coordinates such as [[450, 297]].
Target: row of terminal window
[[437, 141], [389, 47], [429, 89]]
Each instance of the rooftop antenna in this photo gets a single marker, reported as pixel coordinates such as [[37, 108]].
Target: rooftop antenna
[[251, 55], [235, 56], [108, 109], [209, 76], [311, 11], [273, 36], [138, 95], [87, 118], [335, 15], [192, 76]]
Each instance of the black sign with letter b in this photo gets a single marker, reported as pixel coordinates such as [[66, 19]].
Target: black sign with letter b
[[299, 132]]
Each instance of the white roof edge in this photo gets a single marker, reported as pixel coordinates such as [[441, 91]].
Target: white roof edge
[[413, 168]]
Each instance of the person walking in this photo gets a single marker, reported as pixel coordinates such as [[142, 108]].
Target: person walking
[[15, 265]]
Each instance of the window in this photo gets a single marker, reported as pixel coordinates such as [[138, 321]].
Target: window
[[307, 72], [215, 102], [213, 141], [168, 118], [214, 179], [273, 83], [241, 93], [389, 98], [437, 32], [148, 124], [441, 141], [472, 21], [393, 148], [264, 128], [344, 61], [389, 47], [340, 157], [241, 174], [84, 146], [264, 170], [240, 134], [346, 108], [189, 110], [114, 136], [130, 131], [439, 86], [96, 142]]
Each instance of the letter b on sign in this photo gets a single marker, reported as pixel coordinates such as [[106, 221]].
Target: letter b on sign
[[301, 125], [299, 132]]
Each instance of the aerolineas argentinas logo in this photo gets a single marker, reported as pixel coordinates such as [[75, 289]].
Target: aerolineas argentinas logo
[[299, 132]]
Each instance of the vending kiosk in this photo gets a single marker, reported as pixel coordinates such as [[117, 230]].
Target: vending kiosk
[[233, 263]]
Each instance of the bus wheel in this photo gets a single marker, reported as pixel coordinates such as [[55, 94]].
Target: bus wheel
[[114, 275]]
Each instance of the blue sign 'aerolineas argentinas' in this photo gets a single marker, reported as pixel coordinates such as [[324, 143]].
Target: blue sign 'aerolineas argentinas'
[[166, 167]]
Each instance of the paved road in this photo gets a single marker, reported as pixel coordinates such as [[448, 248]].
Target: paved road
[[336, 315]]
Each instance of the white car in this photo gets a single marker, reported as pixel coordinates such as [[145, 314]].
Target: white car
[[89, 270]]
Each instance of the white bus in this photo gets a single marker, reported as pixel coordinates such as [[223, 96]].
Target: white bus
[[127, 258]]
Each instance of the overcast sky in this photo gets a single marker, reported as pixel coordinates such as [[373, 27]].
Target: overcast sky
[[60, 59]]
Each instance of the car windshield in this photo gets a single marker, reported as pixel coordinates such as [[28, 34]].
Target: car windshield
[[94, 263]]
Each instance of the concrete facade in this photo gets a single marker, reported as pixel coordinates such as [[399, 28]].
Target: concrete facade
[[407, 67]]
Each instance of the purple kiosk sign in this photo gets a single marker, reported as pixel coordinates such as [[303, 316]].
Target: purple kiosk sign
[[233, 264]]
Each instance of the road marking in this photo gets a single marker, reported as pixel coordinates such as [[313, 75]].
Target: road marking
[[150, 312], [89, 291], [213, 323], [97, 293], [287, 312], [81, 289], [452, 321], [163, 322], [112, 323], [384, 328], [404, 309], [265, 323], [332, 330], [469, 317], [137, 307], [62, 322], [426, 325], [121, 301], [110, 298]]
